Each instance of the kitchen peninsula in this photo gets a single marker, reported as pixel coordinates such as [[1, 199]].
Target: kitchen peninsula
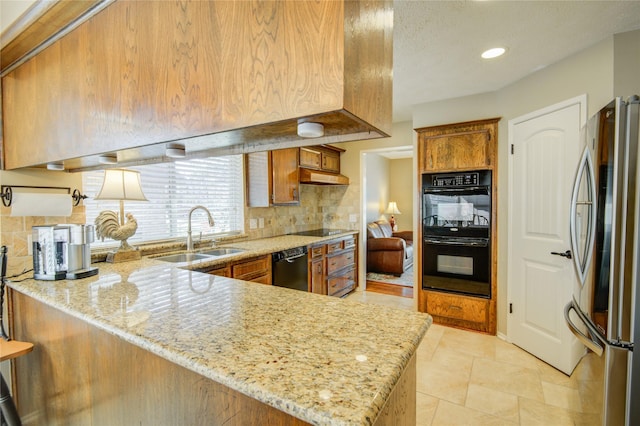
[[147, 342]]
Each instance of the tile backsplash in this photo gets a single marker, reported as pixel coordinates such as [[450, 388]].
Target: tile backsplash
[[321, 206], [15, 232]]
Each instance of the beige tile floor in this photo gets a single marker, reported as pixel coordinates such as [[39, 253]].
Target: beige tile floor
[[467, 378]]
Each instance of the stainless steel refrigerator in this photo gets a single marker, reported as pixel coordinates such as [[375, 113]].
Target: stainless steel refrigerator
[[605, 216]]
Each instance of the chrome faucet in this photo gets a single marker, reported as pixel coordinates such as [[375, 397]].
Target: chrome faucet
[[189, 239]]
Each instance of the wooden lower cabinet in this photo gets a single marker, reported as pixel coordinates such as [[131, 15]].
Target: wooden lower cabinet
[[333, 267], [458, 310], [317, 283], [342, 283], [224, 271], [256, 270], [456, 147]]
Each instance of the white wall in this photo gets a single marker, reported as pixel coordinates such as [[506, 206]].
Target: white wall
[[376, 185], [589, 71], [626, 57], [10, 10], [401, 175]]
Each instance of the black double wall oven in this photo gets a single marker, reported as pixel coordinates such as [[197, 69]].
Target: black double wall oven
[[456, 230]]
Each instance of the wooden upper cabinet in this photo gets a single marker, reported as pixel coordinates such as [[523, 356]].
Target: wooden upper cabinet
[[461, 146], [286, 181], [272, 178], [213, 74], [331, 161], [324, 157], [310, 157]]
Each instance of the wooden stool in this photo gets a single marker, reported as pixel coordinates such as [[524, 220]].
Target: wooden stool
[[9, 350]]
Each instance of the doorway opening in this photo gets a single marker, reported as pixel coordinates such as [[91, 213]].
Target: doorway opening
[[388, 198]]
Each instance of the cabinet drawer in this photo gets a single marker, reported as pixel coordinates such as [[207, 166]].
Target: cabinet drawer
[[316, 252], [337, 262], [457, 307], [262, 279], [253, 268], [341, 285], [349, 242], [334, 246], [224, 271]]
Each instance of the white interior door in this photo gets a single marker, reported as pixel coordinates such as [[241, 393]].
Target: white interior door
[[546, 148]]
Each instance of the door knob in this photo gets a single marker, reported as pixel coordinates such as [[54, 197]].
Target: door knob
[[566, 254]]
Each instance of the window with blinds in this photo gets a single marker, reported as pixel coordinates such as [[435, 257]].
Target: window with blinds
[[172, 190]]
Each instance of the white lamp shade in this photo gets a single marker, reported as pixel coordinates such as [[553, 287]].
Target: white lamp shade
[[121, 184], [392, 208]]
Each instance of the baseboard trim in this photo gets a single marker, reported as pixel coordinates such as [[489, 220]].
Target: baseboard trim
[[503, 337]]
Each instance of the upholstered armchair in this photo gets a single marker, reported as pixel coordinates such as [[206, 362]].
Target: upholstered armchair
[[387, 251]]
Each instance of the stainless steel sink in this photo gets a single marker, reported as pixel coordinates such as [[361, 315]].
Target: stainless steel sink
[[221, 251], [183, 257]]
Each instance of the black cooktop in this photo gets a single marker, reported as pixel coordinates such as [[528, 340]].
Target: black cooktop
[[322, 232]]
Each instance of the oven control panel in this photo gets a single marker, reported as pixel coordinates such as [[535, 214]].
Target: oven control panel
[[459, 179], [453, 180]]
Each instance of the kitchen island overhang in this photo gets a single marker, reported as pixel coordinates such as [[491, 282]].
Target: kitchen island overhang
[[321, 360]]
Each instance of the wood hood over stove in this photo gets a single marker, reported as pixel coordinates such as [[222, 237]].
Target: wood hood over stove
[[220, 77]]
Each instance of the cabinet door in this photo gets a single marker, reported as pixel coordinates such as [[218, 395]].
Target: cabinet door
[[318, 282], [284, 172], [458, 146], [310, 158], [331, 161], [258, 270]]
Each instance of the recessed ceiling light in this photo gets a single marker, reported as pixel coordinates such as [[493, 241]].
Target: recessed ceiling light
[[175, 150], [493, 53], [308, 129]]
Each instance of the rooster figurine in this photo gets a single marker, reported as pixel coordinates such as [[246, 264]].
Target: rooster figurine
[[107, 225]]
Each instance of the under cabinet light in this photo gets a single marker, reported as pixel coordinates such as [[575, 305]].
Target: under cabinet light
[[55, 166], [108, 159], [175, 150], [308, 129]]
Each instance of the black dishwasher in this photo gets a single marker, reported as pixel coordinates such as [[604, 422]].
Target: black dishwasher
[[290, 268]]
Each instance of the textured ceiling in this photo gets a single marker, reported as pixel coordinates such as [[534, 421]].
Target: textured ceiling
[[437, 44]]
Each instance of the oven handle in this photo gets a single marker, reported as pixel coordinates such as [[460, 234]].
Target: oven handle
[[453, 242], [469, 189]]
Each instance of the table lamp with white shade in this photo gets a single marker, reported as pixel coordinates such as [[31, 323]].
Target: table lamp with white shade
[[120, 185], [392, 209]]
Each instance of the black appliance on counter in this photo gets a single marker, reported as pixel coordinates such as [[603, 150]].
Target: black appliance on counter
[[290, 268], [456, 230]]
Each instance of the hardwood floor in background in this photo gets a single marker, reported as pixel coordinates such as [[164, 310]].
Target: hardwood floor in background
[[390, 289]]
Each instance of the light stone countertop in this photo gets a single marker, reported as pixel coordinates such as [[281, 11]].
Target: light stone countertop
[[293, 350]]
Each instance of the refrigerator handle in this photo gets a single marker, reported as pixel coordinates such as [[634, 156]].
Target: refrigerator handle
[[582, 258], [597, 344]]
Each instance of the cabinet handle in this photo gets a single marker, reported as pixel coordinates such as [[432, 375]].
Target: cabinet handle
[[455, 307]]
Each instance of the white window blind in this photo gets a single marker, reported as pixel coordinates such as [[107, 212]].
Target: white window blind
[[172, 190]]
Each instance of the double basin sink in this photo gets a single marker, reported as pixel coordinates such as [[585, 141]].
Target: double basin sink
[[201, 255]]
